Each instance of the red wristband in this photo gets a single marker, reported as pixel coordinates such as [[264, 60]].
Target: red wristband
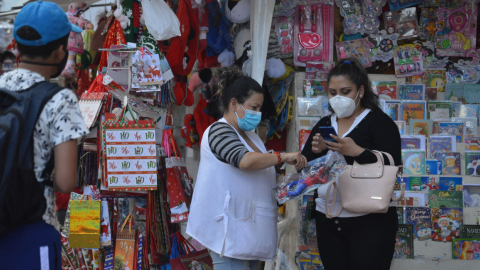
[[279, 158]]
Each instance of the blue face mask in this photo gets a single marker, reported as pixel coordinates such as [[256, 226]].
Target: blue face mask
[[250, 121]]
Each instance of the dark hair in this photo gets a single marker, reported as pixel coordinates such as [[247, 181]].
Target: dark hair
[[353, 69], [44, 51], [233, 84]]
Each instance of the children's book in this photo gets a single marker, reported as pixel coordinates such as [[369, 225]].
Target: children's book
[[413, 162], [470, 231], [402, 127], [421, 127], [435, 78], [472, 163], [404, 242], [431, 93], [451, 163], [467, 110], [472, 143], [436, 124], [386, 90], [400, 180], [439, 109], [451, 183], [465, 249], [413, 142], [412, 91], [393, 109], [454, 92], [445, 199], [453, 129], [471, 127], [433, 167], [446, 223], [471, 93], [421, 219], [401, 215], [442, 144], [413, 110], [471, 195]]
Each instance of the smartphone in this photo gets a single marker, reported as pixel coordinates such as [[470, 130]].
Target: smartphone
[[325, 133]]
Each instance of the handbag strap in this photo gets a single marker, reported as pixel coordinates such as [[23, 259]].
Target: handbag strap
[[329, 210], [390, 158], [402, 193]]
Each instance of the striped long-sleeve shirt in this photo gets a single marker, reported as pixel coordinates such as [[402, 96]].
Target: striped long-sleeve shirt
[[225, 144]]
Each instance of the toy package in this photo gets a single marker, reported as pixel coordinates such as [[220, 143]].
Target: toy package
[[463, 73], [402, 22], [284, 28], [465, 249], [318, 70], [322, 170], [358, 48], [456, 30], [384, 44], [313, 33], [408, 60], [360, 16], [431, 60]]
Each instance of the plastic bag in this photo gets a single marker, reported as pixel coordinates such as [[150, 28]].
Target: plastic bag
[[322, 170], [158, 11]]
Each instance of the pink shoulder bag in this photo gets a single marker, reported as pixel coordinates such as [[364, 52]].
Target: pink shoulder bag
[[365, 188]]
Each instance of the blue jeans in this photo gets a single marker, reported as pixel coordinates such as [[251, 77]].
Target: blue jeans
[[225, 263]]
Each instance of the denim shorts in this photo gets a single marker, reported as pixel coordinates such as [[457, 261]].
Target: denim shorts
[[225, 263]]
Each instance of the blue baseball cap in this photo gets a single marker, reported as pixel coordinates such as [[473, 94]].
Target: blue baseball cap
[[47, 18]]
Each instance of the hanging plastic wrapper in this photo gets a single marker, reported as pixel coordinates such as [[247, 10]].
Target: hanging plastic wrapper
[[322, 170], [158, 11], [85, 223]]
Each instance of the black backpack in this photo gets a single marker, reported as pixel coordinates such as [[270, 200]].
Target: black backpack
[[22, 198]]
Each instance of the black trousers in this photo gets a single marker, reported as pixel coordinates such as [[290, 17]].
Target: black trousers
[[360, 243]]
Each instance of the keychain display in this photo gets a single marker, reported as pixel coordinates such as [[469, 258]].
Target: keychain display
[[456, 30], [358, 48], [360, 16], [384, 45], [408, 60], [313, 34], [284, 28], [402, 22]]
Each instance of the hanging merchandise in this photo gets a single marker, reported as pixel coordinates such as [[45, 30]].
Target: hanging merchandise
[[360, 16], [85, 223], [428, 24], [105, 230], [408, 61], [180, 189], [129, 154], [149, 42], [127, 11], [125, 246], [284, 28], [189, 132], [456, 30], [146, 70], [384, 45], [115, 36], [90, 106], [183, 51], [463, 73], [219, 46], [285, 8], [402, 22], [313, 34], [318, 70], [399, 4], [193, 260], [358, 48], [155, 12], [431, 60]]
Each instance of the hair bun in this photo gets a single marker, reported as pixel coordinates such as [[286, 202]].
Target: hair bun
[[227, 75]]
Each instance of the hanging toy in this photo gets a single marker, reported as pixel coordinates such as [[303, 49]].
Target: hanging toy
[[189, 132]]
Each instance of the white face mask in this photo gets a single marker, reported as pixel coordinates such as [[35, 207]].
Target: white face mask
[[343, 106]]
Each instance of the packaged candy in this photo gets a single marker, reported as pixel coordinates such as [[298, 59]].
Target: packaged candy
[[402, 22], [384, 44], [322, 170], [358, 48], [360, 16], [284, 28], [456, 30], [313, 34], [408, 60]]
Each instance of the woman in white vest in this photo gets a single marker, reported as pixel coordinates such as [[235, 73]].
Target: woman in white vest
[[233, 212]]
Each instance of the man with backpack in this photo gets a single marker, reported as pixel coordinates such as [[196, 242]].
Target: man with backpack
[[39, 125]]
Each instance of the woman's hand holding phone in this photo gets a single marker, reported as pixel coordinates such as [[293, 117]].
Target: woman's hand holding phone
[[318, 144], [345, 146]]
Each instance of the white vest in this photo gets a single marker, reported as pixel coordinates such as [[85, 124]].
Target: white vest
[[233, 211]]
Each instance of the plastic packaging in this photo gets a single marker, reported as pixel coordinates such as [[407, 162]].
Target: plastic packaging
[[402, 22], [313, 34], [360, 16], [358, 48], [384, 44], [322, 171], [309, 106], [463, 74], [431, 60], [159, 11], [284, 28], [285, 8], [318, 70], [408, 60], [456, 30]]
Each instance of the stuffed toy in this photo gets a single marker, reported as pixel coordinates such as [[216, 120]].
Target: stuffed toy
[[183, 51], [75, 40], [241, 37], [218, 38], [188, 131], [238, 11], [202, 120]]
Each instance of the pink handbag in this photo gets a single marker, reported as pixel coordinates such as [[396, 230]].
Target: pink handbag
[[365, 188]]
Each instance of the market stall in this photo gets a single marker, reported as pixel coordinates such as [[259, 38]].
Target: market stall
[[145, 73]]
